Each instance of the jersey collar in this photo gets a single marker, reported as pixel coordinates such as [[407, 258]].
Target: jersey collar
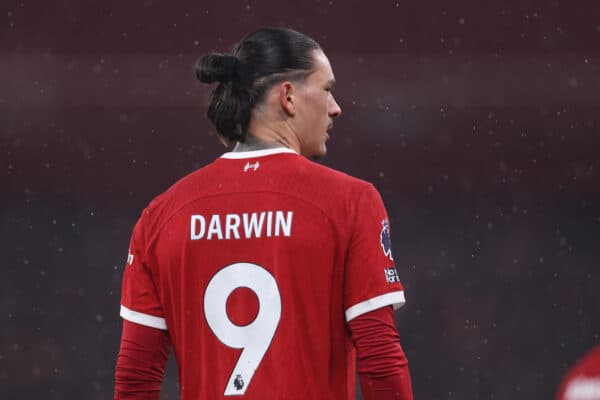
[[257, 153]]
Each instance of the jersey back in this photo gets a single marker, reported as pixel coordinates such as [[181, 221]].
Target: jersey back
[[255, 264]]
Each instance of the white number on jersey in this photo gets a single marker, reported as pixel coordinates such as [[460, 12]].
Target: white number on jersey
[[254, 338]]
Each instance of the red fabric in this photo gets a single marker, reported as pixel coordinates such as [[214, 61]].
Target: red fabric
[[382, 365], [582, 381], [293, 232], [141, 362]]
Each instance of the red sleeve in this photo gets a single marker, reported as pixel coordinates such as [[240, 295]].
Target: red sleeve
[[140, 302], [141, 362], [382, 365], [582, 378], [371, 280]]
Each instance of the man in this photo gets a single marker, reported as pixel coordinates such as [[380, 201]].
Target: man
[[263, 269]]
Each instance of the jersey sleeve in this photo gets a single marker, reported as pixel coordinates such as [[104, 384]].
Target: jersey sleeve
[[582, 380], [371, 280], [140, 302]]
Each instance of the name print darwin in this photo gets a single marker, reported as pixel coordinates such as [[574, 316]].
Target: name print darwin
[[244, 226]]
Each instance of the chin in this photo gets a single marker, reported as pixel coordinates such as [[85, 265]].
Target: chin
[[318, 155], [314, 152]]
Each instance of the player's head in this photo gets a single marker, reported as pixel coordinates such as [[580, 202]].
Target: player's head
[[277, 77]]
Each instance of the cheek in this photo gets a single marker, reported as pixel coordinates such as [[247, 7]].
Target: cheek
[[315, 109], [321, 105], [318, 100]]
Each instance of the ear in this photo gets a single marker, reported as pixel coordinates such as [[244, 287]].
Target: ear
[[286, 98]]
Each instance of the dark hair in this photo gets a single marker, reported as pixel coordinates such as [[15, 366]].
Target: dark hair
[[260, 60]]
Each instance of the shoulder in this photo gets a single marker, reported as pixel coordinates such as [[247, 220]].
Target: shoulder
[[330, 176], [589, 363], [161, 207], [340, 196]]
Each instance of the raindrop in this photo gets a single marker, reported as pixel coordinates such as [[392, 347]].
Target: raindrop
[[563, 241], [573, 83]]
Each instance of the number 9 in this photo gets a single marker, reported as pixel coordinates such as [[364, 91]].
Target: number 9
[[254, 338]]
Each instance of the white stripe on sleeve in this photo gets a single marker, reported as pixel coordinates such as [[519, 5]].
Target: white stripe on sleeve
[[143, 319], [393, 298]]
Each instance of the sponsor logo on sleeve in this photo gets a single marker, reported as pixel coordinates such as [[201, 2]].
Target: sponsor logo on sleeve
[[391, 275], [129, 258], [386, 241]]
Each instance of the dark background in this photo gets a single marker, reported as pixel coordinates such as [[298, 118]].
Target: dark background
[[478, 122]]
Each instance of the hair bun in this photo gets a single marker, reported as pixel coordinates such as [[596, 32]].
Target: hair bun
[[217, 68]]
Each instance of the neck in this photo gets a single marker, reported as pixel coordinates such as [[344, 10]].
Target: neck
[[253, 143], [268, 132]]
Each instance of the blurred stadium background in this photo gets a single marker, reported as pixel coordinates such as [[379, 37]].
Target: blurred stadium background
[[479, 122]]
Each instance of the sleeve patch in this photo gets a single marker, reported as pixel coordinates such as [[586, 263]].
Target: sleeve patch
[[386, 241], [129, 257], [391, 275]]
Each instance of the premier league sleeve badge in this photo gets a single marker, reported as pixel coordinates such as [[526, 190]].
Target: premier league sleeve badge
[[386, 241]]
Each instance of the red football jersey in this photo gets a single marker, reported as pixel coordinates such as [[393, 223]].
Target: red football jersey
[[254, 264], [582, 381]]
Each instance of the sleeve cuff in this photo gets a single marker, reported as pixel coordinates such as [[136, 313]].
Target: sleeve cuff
[[396, 299], [143, 319]]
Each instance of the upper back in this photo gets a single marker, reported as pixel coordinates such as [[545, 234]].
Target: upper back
[[269, 253], [259, 179], [276, 224]]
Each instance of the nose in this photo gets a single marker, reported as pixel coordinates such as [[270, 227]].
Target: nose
[[334, 108]]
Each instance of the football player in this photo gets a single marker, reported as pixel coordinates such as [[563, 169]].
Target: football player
[[270, 275]]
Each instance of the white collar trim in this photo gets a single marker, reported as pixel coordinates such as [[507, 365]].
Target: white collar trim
[[257, 153]]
